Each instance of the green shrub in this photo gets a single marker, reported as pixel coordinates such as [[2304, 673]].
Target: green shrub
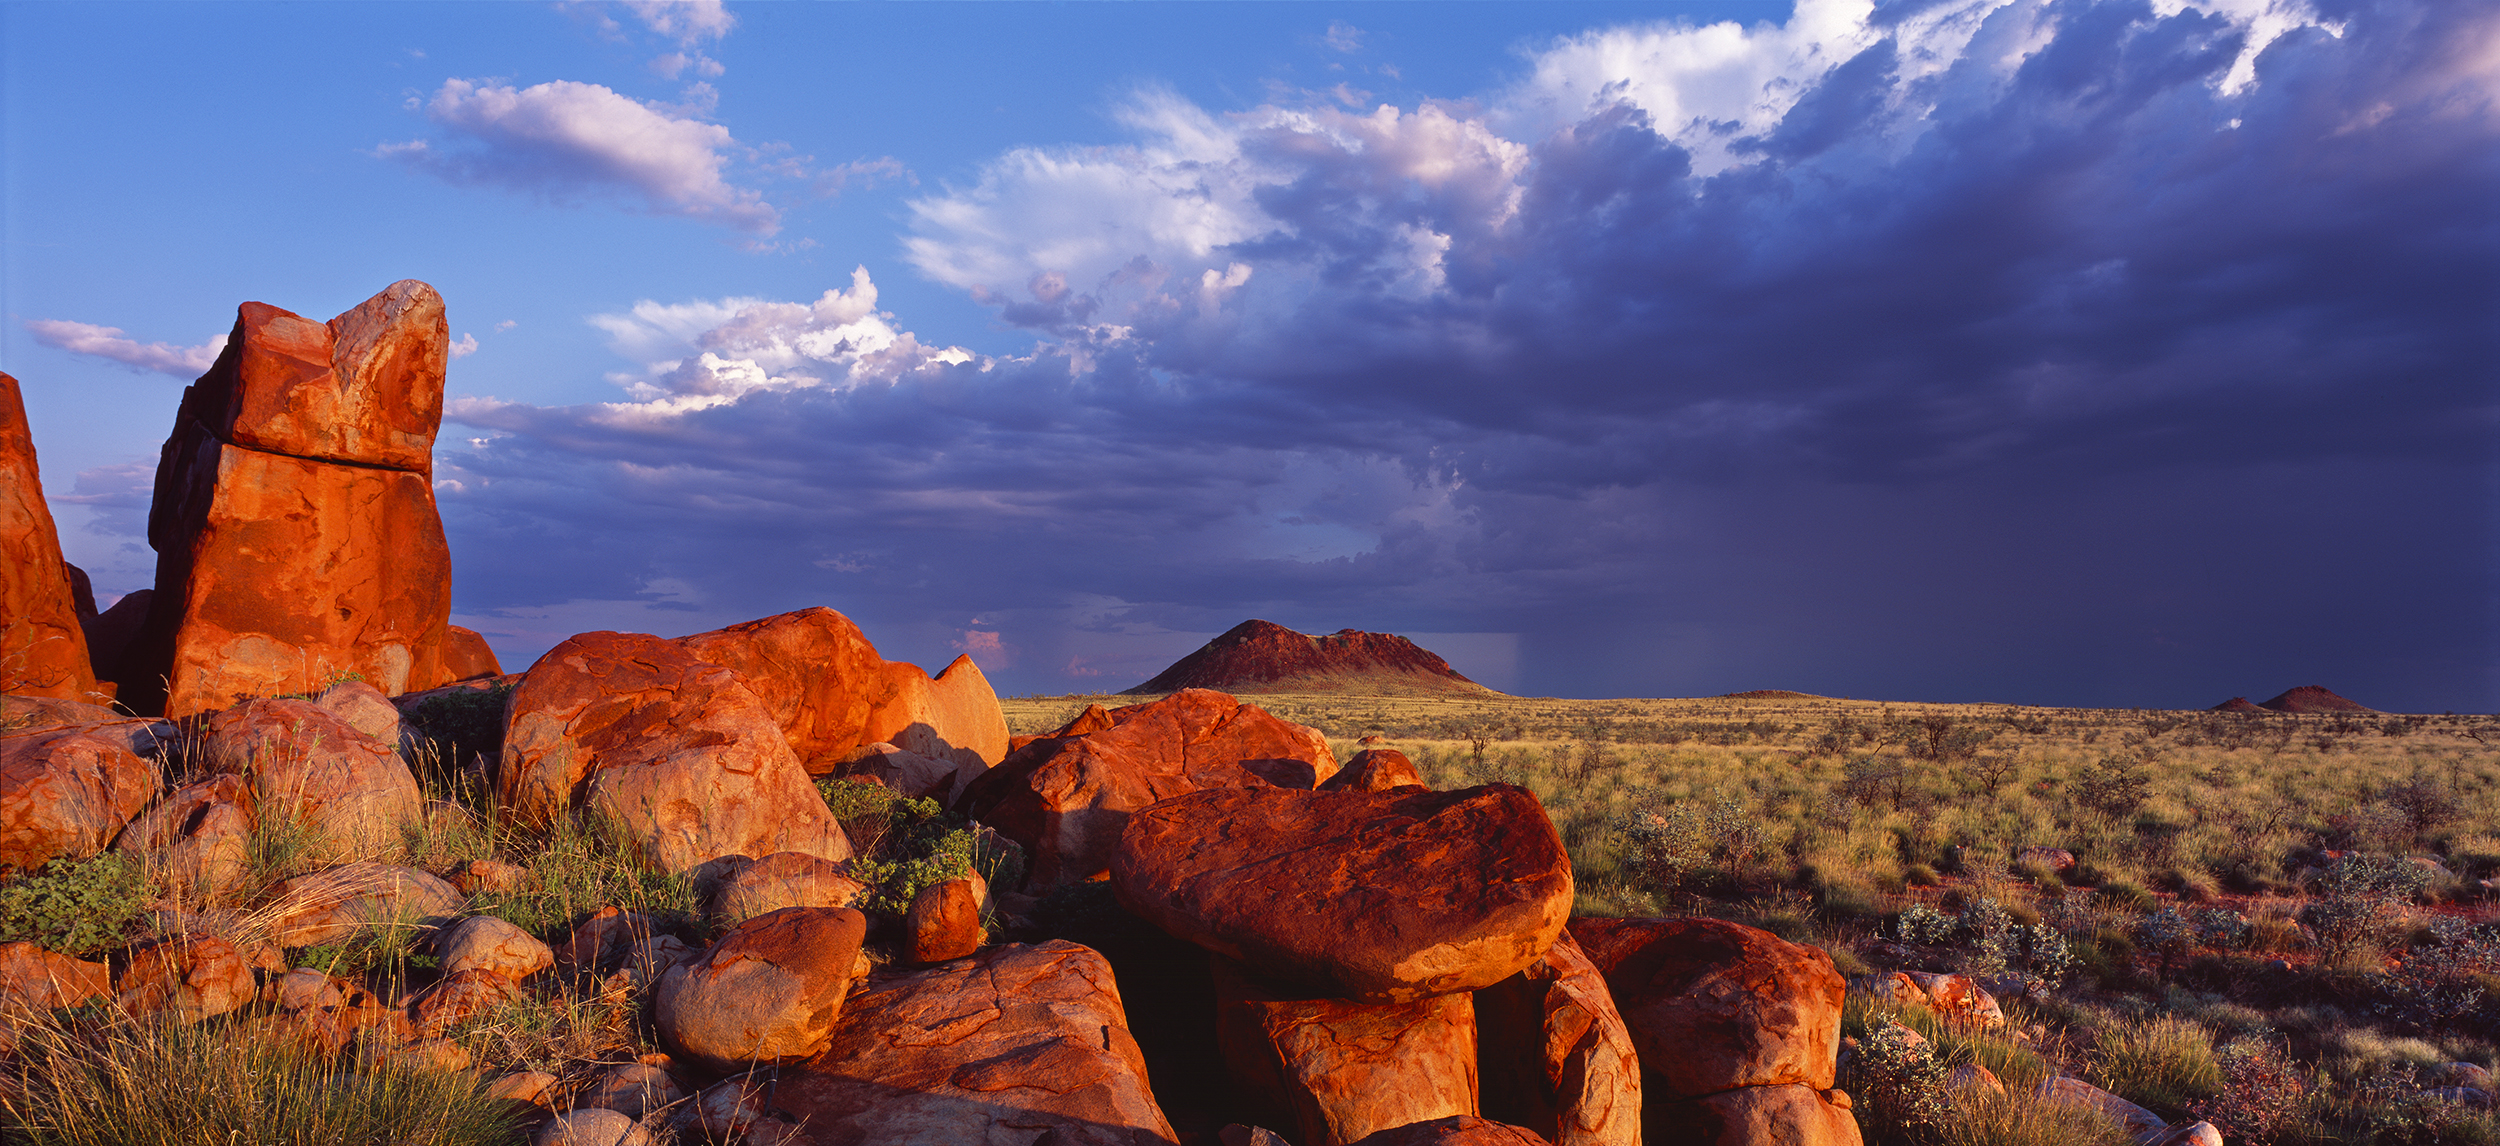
[[1897, 1083], [902, 845], [75, 906]]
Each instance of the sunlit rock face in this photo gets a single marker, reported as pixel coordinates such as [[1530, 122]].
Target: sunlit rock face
[[294, 521]]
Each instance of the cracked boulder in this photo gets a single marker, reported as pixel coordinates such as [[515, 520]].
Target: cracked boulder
[[1067, 798], [768, 990], [1556, 1055], [1338, 1070], [1378, 897], [1015, 1045], [677, 750], [294, 521], [65, 791]]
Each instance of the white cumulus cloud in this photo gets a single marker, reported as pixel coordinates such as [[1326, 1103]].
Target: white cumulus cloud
[[107, 342], [564, 139]]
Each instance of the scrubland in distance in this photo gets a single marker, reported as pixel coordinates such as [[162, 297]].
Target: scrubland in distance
[[2275, 922]]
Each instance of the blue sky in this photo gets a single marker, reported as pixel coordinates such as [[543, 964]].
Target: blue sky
[[2103, 352]]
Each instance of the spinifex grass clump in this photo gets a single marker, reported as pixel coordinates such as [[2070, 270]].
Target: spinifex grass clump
[[100, 1080], [579, 865]]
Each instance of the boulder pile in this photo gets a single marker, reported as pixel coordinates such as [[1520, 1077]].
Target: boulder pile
[[647, 828]]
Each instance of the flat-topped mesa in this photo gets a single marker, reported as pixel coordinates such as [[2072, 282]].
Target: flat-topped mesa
[[294, 521], [1262, 657]]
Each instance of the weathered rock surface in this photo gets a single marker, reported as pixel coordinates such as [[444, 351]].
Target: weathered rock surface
[[195, 978], [674, 748], [1374, 770], [1714, 1005], [768, 990], [197, 839], [1374, 896], [814, 669], [1958, 999], [1015, 1045], [1343, 1070], [954, 716], [1556, 1056], [324, 907], [43, 647], [294, 519], [363, 708], [467, 656], [594, 1126], [1458, 1131], [459, 997], [748, 888], [1066, 799], [944, 921], [485, 943], [65, 790], [633, 1089], [33, 979], [352, 794], [1788, 1115], [2196, 1134]]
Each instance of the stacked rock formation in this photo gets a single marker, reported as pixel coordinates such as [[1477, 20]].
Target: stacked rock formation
[[294, 522]]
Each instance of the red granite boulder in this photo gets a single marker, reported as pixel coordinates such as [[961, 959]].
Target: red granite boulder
[[676, 749], [1016, 1044], [351, 793], [944, 921], [1066, 799], [294, 516], [66, 790], [813, 669], [768, 990], [1374, 770], [1374, 896], [1341, 1070], [954, 716], [197, 839], [1557, 1057], [1459, 1131], [194, 978], [33, 979], [43, 647], [1713, 1005], [467, 656]]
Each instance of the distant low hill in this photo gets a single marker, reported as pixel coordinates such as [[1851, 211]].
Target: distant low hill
[[1261, 656], [2313, 698], [2306, 698]]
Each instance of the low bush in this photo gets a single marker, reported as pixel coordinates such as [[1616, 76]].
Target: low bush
[[76, 906]]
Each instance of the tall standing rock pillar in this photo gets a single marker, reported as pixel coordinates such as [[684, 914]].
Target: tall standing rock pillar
[[294, 520], [43, 651]]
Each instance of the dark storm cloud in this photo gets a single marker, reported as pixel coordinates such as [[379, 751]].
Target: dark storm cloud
[[2026, 352]]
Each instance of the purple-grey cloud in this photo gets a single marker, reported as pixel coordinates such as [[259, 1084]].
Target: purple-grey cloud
[[108, 343], [2035, 351], [564, 140]]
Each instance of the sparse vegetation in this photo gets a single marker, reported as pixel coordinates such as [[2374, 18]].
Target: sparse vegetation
[[2275, 922]]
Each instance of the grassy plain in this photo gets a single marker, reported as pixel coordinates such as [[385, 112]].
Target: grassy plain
[[2276, 923]]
